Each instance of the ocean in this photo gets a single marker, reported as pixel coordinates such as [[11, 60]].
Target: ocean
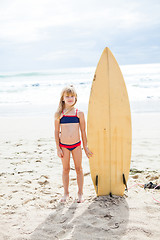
[[38, 92]]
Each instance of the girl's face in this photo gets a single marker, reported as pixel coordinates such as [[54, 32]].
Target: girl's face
[[69, 99]]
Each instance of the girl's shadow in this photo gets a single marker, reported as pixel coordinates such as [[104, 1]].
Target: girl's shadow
[[102, 218]]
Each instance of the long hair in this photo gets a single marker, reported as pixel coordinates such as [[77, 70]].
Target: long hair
[[70, 90]]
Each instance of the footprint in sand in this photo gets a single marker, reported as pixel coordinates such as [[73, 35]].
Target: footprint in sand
[[154, 178], [43, 182], [135, 176]]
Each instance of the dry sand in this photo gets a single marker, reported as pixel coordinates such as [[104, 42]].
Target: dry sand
[[31, 187]]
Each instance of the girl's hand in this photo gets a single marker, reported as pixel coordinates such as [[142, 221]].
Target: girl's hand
[[59, 152], [88, 152]]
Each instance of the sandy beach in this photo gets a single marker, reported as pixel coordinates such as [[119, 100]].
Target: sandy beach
[[31, 187]]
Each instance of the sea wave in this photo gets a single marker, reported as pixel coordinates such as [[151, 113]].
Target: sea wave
[[57, 72], [31, 74], [44, 87]]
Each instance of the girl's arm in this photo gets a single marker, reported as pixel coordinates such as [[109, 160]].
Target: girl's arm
[[83, 134], [57, 129]]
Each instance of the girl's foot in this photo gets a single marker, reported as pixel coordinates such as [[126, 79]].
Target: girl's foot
[[64, 198], [80, 198]]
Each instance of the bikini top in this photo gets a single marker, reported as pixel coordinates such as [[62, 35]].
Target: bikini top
[[69, 118]]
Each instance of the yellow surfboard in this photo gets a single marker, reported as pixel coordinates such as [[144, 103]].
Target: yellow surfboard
[[109, 128]]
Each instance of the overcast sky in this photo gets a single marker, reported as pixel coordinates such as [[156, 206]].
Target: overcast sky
[[49, 34]]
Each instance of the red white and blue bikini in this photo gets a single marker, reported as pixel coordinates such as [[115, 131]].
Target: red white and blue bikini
[[70, 119]]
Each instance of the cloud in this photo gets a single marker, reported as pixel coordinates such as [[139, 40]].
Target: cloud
[[56, 55], [75, 32], [24, 21]]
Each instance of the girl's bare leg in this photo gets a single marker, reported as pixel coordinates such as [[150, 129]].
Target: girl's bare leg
[[77, 158], [65, 174]]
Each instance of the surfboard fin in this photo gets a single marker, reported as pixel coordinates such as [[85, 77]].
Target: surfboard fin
[[110, 194], [97, 184], [124, 182]]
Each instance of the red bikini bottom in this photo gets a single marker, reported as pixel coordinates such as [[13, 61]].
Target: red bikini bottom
[[71, 146]]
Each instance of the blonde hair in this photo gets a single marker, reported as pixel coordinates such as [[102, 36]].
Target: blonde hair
[[70, 90]]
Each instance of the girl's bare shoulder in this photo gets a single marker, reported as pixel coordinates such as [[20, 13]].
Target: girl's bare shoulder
[[80, 114], [57, 119], [61, 116]]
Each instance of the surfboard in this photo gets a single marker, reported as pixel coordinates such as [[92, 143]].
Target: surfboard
[[109, 132]]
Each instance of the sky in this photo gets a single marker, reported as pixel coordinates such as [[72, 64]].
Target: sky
[[48, 34]]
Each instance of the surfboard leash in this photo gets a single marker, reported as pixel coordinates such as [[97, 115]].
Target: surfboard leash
[[153, 196], [139, 184]]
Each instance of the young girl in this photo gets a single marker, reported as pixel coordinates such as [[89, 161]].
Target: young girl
[[68, 121]]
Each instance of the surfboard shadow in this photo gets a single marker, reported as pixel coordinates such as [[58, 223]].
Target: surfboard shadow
[[103, 218], [110, 216]]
